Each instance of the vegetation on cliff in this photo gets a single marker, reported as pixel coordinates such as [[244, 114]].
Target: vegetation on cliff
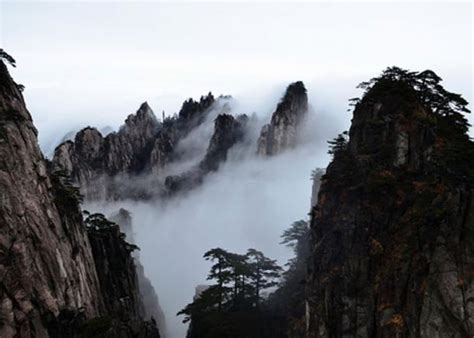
[[391, 235]]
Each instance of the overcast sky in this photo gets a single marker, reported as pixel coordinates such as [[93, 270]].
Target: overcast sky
[[94, 63]]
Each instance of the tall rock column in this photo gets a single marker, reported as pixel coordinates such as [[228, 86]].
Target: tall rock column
[[282, 132], [393, 229]]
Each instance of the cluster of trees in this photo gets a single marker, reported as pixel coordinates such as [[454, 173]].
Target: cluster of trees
[[338, 145], [236, 305], [4, 56], [231, 306], [97, 224], [429, 91], [446, 113]]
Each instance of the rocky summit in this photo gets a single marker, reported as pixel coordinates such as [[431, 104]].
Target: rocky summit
[[282, 132], [392, 232]]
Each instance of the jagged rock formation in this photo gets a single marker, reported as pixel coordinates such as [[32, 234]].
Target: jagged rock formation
[[316, 177], [282, 132], [119, 282], [228, 131], [148, 296], [49, 282], [142, 145], [392, 233]]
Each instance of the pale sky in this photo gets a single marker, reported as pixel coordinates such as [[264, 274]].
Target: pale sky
[[95, 62]]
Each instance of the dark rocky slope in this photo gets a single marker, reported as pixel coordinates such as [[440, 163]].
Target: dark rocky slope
[[228, 131], [49, 282], [393, 230], [282, 132]]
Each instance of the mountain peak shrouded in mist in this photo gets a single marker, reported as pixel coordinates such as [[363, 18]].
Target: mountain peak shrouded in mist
[[141, 146], [152, 151], [59, 278], [228, 131], [282, 132]]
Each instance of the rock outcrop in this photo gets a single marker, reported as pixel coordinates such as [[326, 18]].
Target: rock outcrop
[[393, 229], [282, 132], [228, 131], [143, 145], [49, 282], [148, 296]]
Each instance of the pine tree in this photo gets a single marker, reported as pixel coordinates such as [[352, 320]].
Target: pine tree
[[4, 56], [264, 272]]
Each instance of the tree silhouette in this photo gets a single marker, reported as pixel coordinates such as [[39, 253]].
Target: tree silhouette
[[429, 91], [230, 307], [338, 145], [4, 56], [264, 272]]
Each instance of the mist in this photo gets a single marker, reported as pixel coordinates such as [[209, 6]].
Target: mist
[[247, 203], [92, 64]]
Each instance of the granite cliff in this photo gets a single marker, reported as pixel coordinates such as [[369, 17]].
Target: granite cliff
[[143, 145], [50, 281], [392, 233], [282, 131]]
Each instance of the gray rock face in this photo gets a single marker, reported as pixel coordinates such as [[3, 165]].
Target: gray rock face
[[228, 131], [392, 233], [142, 146], [282, 132], [50, 284], [46, 264]]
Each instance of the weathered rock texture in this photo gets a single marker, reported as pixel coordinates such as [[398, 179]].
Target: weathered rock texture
[[119, 283], [48, 274], [148, 296], [228, 131], [282, 132], [393, 230], [99, 165]]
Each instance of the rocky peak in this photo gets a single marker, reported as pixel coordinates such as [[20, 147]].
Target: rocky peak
[[400, 265], [389, 126], [143, 122], [143, 145], [281, 133], [193, 109], [228, 131]]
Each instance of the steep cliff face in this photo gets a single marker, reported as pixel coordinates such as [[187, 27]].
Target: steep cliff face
[[228, 131], [142, 145], [148, 296], [393, 230], [282, 132], [46, 263], [49, 282], [119, 283]]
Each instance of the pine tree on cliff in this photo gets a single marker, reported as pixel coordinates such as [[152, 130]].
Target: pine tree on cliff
[[264, 273], [221, 271], [4, 56], [338, 145], [230, 308]]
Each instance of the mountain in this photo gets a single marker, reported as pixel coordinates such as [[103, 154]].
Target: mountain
[[282, 132], [392, 234], [228, 131], [143, 159], [52, 277], [143, 145]]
